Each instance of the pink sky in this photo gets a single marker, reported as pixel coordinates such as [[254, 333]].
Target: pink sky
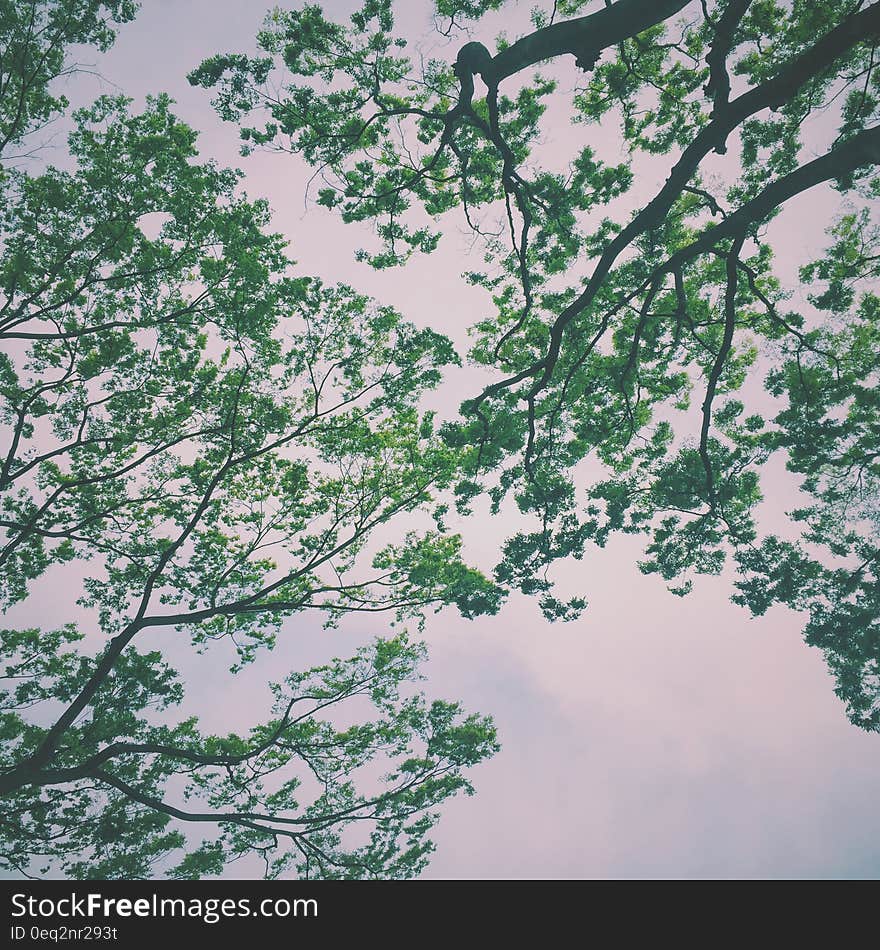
[[653, 737]]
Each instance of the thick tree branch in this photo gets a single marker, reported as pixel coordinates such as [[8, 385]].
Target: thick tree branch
[[859, 151], [719, 81], [771, 94], [585, 37]]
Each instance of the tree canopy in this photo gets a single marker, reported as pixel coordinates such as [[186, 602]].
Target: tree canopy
[[223, 443], [634, 320]]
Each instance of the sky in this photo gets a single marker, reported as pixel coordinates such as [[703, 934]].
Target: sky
[[654, 737]]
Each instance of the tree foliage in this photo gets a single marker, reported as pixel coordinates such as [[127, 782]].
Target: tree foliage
[[628, 324], [222, 443]]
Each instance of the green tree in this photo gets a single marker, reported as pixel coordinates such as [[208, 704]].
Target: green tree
[[37, 36], [626, 329], [223, 443]]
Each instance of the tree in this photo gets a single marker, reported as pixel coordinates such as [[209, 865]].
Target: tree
[[630, 338], [223, 444]]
